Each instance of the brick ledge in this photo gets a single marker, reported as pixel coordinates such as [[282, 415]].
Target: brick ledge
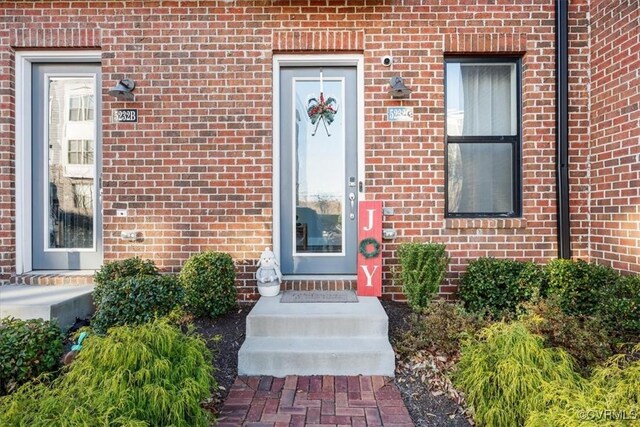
[[485, 223]]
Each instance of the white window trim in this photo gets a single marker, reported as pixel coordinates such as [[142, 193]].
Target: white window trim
[[326, 60], [24, 61]]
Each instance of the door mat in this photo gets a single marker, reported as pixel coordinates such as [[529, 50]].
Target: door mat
[[318, 296]]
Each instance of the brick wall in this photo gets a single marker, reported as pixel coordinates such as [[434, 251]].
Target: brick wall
[[615, 134], [196, 172]]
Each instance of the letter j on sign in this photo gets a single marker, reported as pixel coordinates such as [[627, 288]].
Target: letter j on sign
[[369, 248]]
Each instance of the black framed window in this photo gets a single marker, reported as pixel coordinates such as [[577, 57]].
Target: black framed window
[[483, 137]]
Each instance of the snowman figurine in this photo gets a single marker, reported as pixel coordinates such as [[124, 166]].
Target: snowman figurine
[[268, 274]]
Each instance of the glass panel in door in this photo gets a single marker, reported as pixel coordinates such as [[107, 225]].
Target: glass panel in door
[[65, 191], [319, 157], [318, 170]]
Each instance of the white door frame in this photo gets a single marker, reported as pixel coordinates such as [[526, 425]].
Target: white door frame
[[322, 60], [24, 62]]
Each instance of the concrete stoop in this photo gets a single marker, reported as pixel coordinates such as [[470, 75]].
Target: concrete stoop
[[317, 339], [64, 303]]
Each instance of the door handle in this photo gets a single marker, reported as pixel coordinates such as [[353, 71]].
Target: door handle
[[352, 200]]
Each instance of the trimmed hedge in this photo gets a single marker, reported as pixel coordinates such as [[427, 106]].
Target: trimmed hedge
[[28, 348], [500, 286], [136, 300], [113, 270], [148, 375], [208, 279], [581, 288], [620, 308]]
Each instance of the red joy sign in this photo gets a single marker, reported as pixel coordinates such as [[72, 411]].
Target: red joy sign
[[369, 248]]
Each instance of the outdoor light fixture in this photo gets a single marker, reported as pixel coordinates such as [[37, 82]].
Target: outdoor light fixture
[[398, 89], [123, 90]]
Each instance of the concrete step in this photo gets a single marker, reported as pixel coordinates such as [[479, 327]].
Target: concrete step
[[270, 318], [280, 357], [64, 303], [317, 339]]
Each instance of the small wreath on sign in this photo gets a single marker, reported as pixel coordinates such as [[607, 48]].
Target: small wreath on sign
[[365, 243]]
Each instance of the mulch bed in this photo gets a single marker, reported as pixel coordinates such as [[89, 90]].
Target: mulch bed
[[425, 408]]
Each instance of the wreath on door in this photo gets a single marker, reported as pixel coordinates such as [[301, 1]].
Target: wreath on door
[[321, 109]]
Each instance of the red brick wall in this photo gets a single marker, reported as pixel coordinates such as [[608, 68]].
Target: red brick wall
[[615, 134], [195, 172]]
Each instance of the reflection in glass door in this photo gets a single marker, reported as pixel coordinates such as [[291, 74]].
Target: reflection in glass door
[[65, 194], [319, 190], [318, 170]]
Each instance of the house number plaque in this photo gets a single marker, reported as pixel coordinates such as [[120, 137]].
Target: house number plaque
[[125, 115], [400, 114]]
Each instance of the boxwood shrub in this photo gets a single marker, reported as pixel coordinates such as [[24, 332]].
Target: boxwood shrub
[[136, 300], [113, 270], [208, 279], [499, 286], [148, 375], [581, 288], [620, 307], [28, 348]]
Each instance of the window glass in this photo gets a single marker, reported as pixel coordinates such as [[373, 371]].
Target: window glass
[[80, 152], [481, 99], [480, 178], [483, 140]]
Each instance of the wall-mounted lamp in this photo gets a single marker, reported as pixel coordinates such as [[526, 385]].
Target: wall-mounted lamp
[[123, 90], [398, 89]]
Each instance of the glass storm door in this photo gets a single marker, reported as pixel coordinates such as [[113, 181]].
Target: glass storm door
[[318, 170], [66, 220]]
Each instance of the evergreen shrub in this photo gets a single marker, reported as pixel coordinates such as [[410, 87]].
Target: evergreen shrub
[[119, 269], [422, 269], [585, 338], [610, 397], [28, 348], [209, 282], [503, 371], [499, 287], [581, 288], [136, 300], [147, 375], [620, 308]]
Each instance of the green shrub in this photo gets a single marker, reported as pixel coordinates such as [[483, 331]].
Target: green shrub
[[581, 287], [620, 307], [500, 286], [422, 270], [611, 397], [28, 348], [148, 375], [136, 300], [209, 282], [503, 370], [441, 326], [583, 337], [112, 270]]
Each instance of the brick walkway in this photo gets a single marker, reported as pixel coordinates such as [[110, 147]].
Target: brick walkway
[[314, 401]]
